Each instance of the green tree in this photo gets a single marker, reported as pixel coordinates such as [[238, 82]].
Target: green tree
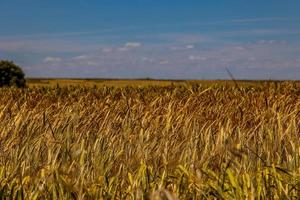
[[11, 74]]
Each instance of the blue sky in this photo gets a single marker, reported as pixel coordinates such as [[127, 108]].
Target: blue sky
[[188, 39]]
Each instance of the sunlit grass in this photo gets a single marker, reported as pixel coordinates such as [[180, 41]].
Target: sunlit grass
[[153, 142], [32, 83]]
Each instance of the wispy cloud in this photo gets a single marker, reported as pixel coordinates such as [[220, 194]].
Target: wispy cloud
[[130, 45], [165, 55], [81, 57], [50, 59], [107, 49], [113, 30], [164, 62], [46, 45], [260, 59], [189, 46], [267, 19], [147, 59], [197, 58], [67, 34]]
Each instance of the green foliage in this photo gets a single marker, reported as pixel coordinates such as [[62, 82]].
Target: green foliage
[[11, 74]]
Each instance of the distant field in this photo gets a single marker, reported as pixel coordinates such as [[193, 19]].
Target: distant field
[[138, 82]]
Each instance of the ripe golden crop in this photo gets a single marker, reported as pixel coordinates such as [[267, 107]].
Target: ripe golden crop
[[151, 142]]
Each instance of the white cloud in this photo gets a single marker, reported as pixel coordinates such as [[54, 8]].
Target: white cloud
[[123, 49], [186, 47], [107, 50], [247, 59], [50, 59], [269, 42], [189, 46], [132, 44], [197, 57], [164, 62], [239, 48], [146, 59], [185, 38], [129, 45], [253, 20], [266, 42], [81, 57]]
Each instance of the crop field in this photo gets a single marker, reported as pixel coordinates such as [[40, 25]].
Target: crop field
[[150, 140], [34, 83]]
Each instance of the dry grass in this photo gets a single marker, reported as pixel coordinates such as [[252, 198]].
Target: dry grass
[[32, 83], [37, 83], [154, 142]]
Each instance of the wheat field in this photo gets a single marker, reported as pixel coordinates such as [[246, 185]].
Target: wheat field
[[152, 142]]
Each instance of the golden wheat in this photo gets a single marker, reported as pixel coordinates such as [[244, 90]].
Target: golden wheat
[[152, 142]]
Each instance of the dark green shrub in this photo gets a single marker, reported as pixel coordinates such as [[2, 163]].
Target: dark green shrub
[[11, 74]]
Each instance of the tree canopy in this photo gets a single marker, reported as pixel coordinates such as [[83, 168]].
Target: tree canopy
[[11, 75]]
